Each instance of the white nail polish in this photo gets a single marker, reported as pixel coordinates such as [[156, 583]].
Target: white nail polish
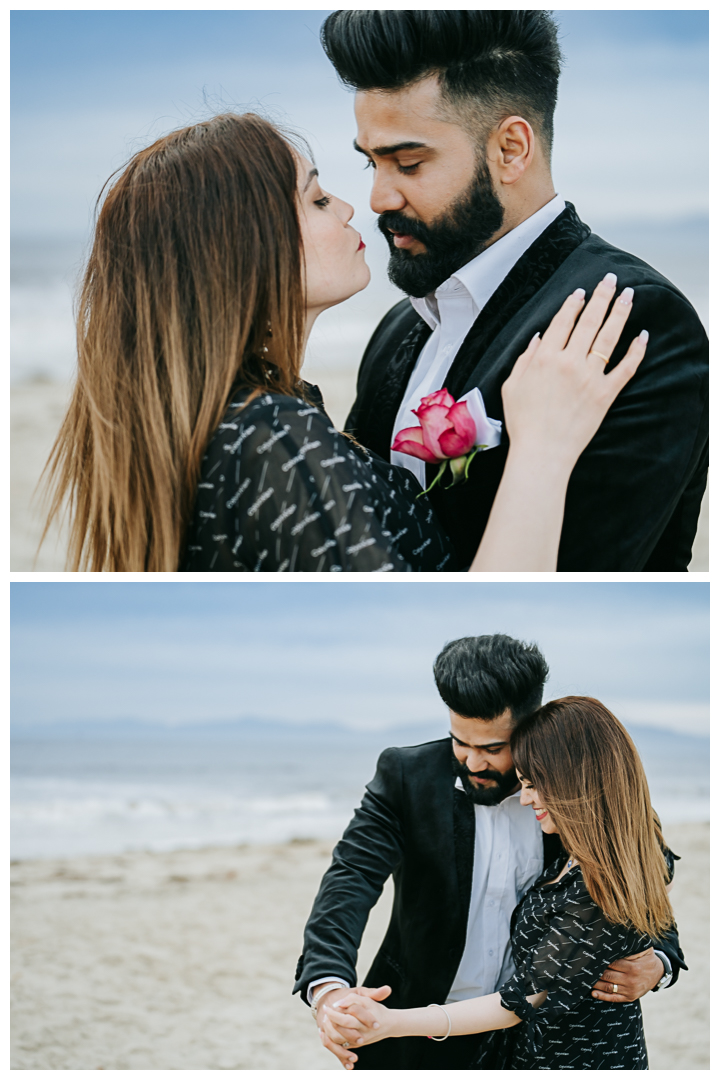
[[610, 279], [579, 292], [626, 296], [644, 336]]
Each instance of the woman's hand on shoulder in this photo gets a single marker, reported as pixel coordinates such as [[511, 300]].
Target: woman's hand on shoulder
[[559, 392]]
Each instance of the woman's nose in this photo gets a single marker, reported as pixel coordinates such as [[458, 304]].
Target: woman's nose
[[525, 799], [345, 211]]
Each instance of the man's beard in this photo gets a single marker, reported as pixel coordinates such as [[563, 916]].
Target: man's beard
[[451, 241], [487, 794]]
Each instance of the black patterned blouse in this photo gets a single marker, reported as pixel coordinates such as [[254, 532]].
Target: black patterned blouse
[[282, 490], [562, 942]]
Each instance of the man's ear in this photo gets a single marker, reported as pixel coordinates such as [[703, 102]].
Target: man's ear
[[511, 149]]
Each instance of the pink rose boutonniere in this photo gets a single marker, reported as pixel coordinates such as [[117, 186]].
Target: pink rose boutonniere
[[450, 432]]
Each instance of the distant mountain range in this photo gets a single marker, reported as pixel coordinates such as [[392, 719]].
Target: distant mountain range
[[657, 741]]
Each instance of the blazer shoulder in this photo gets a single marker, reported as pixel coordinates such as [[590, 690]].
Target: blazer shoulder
[[643, 273], [433, 755]]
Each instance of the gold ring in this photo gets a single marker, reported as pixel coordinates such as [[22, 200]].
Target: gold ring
[[605, 358], [614, 988]]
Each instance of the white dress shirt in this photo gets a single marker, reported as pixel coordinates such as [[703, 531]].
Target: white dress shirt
[[508, 857], [453, 308]]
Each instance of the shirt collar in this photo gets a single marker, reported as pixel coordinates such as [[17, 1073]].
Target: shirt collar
[[482, 275]]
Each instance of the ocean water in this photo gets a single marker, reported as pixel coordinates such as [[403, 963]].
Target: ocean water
[[76, 789], [45, 272]]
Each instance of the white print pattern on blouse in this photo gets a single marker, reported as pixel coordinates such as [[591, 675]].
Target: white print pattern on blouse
[[291, 489]]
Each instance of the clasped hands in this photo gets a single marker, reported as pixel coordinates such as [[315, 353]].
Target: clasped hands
[[357, 1018]]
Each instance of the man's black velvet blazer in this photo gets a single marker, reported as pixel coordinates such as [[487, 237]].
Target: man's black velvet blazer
[[415, 825], [634, 496]]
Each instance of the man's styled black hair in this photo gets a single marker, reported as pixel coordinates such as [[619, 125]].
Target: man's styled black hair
[[498, 62], [481, 677]]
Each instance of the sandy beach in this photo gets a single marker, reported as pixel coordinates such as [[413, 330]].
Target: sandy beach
[[186, 960], [37, 410]]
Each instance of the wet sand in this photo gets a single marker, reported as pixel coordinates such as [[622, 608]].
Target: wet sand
[[186, 960]]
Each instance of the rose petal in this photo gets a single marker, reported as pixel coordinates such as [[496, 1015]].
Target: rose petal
[[433, 421], [410, 441], [439, 397], [457, 440]]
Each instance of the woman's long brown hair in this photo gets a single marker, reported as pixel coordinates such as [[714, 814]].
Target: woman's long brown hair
[[197, 252], [585, 768]]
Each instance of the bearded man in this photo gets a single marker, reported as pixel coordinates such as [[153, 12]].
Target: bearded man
[[445, 819], [454, 114]]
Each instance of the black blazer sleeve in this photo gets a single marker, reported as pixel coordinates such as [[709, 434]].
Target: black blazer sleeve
[[634, 495], [669, 943], [370, 849]]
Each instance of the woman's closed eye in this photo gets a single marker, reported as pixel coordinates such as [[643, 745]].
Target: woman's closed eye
[[323, 202]]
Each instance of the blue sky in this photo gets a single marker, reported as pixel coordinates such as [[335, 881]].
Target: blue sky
[[357, 654], [89, 87]]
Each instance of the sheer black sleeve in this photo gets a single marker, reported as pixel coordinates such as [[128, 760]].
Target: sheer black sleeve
[[282, 490], [570, 943]]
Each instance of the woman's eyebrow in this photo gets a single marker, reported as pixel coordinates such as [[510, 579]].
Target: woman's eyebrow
[[311, 174]]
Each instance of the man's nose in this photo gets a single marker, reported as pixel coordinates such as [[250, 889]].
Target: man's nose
[[385, 194], [476, 762]]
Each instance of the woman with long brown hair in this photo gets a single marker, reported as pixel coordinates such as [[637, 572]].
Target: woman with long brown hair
[[191, 441], [605, 898]]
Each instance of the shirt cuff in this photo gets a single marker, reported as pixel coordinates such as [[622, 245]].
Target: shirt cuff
[[316, 982]]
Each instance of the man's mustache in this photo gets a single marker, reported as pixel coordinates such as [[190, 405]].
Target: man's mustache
[[392, 221], [489, 774]]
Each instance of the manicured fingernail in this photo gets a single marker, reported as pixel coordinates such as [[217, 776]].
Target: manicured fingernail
[[535, 336], [579, 292], [610, 279], [376, 1025], [626, 296], [643, 336]]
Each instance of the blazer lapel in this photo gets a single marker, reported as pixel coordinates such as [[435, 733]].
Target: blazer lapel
[[464, 835], [528, 275], [386, 395]]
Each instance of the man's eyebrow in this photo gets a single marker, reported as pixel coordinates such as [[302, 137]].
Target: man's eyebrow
[[383, 151], [311, 174], [483, 746]]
